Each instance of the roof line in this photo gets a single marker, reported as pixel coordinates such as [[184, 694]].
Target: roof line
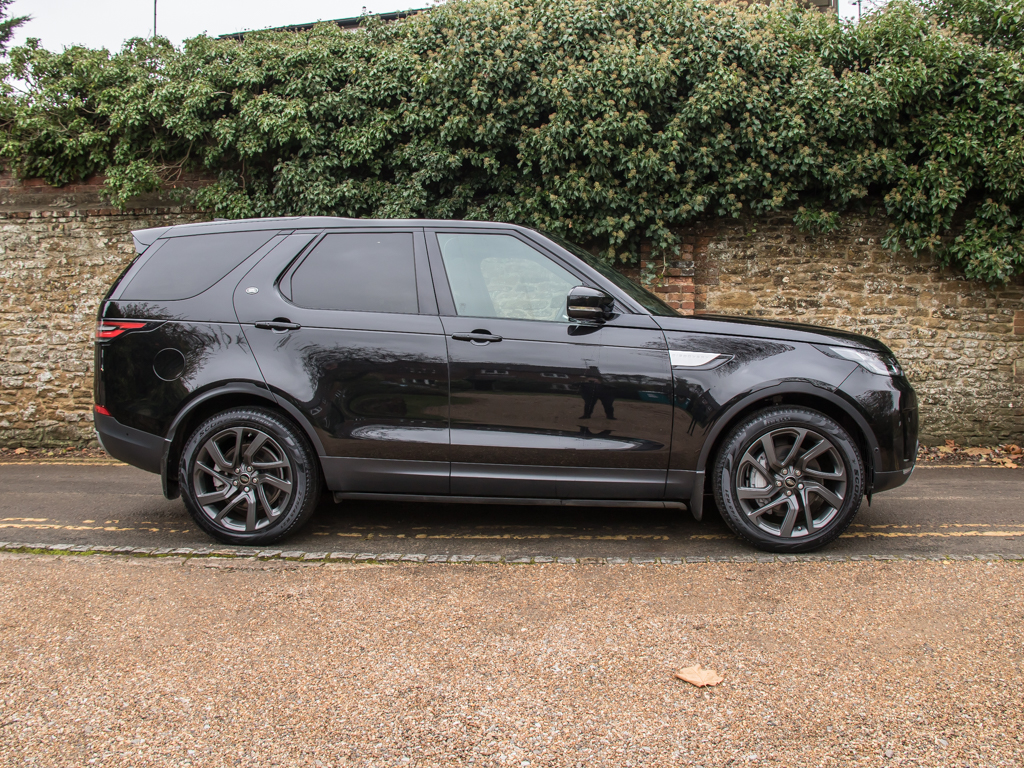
[[350, 23]]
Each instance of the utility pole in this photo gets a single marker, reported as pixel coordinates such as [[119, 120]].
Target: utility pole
[[154, 18]]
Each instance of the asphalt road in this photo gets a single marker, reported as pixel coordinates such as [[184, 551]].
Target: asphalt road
[[940, 511]]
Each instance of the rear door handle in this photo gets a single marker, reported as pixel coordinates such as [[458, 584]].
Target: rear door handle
[[278, 325], [476, 337]]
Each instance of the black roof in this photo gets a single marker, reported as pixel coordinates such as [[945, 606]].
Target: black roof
[[352, 23], [149, 236]]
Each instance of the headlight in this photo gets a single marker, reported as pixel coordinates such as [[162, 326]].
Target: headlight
[[872, 361]]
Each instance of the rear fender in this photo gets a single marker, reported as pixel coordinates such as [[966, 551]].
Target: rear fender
[[246, 393]]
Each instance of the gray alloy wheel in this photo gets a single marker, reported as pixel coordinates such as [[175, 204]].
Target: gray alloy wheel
[[242, 479], [789, 479], [248, 476]]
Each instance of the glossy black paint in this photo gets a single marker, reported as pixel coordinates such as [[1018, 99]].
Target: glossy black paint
[[373, 385], [433, 404]]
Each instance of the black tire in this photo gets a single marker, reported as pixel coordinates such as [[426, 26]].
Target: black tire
[[263, 498], [800, 497]]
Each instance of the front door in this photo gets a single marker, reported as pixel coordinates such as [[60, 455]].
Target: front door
[[348, 333], [541, 407]]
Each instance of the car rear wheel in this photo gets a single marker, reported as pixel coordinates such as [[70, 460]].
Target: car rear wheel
[[249, 476], [789, 479]]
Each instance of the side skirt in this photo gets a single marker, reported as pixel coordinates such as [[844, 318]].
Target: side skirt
[[340, 496]]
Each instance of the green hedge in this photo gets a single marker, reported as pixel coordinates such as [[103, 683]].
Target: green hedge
[[606, 121]]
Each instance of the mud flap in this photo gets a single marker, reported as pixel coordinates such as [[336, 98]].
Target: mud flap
[[696, 502]]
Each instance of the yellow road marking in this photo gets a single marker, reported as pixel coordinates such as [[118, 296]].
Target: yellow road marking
[[945, 530], [927, 534], [81, 463], [59, 527]]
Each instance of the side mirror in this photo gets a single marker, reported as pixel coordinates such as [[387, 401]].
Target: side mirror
[[588, 304]]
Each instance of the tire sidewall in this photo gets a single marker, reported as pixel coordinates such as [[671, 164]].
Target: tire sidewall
[[752, 429], [305, 474]]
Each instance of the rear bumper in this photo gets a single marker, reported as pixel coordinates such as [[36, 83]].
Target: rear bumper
[[132, 446]]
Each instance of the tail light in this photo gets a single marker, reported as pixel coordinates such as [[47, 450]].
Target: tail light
[[111, 329]]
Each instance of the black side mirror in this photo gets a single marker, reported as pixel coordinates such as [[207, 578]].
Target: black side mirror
[[588, 304]]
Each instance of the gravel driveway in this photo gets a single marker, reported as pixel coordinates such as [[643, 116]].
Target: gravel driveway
[[135, 662]]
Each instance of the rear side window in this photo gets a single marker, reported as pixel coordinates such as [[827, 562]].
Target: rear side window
[[186, 266], [359, 272]]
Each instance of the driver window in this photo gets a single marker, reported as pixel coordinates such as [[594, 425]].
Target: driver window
[[501, 276]]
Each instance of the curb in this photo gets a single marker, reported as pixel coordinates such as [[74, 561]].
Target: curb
[[398, 557]]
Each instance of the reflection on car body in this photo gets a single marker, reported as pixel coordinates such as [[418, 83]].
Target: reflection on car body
[[475, 361]]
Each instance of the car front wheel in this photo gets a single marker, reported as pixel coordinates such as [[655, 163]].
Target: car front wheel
[[248, 476], [788, 479]]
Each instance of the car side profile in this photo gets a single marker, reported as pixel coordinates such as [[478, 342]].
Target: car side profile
[[254, 364]]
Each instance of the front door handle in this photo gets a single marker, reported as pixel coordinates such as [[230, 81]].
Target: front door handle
[[477, 337], [278, 325]]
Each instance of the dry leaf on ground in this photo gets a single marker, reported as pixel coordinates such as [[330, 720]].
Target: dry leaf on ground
[[978, 451], [699, 677]]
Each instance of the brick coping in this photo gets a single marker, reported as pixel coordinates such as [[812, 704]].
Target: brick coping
[[383, 558]]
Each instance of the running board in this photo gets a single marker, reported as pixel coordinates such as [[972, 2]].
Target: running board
[[340, 496]]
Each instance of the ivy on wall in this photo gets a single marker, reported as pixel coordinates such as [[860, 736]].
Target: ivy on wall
[[606, 121]]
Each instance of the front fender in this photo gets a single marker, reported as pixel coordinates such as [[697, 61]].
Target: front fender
[[789, 387]]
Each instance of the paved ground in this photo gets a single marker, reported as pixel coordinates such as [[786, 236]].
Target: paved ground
[[113, 661], [940, 511]]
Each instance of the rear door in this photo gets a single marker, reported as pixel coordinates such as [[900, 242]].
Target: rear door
[[344, 326], [541, 407]]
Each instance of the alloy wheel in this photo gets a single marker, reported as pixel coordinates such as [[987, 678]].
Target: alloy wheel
[[242, 479], [790, 482]]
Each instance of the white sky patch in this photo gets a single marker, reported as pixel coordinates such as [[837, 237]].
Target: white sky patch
[[108, 23]]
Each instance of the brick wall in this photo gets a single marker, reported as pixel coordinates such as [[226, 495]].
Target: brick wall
[[961, 342]]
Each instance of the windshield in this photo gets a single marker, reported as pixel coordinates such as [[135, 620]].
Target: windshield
[[640, 295]]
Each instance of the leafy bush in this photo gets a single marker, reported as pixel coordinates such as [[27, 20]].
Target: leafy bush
[[606, 121]]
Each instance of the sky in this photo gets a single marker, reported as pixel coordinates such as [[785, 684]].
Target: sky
[[108, 23]]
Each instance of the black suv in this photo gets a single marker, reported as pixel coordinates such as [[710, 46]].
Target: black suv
[[251, 363]]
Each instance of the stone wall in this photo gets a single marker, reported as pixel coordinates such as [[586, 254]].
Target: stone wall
[[961, 342], [59, 252]]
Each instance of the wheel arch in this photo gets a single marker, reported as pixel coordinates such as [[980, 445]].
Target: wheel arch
[[797, 394], [215, 401]]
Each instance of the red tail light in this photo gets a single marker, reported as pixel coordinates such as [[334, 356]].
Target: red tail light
[[101, 410], [111, 329]]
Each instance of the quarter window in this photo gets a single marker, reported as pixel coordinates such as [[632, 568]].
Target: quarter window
[[501, 276], [359, 272], [186, 266]]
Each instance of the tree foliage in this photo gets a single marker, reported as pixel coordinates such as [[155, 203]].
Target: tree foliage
[[8, 24], [606, 121]]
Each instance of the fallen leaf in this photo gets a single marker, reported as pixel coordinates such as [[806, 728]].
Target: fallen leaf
[[21, 450], [944, 449], [699, 677], [951, 443], [978, 451]]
